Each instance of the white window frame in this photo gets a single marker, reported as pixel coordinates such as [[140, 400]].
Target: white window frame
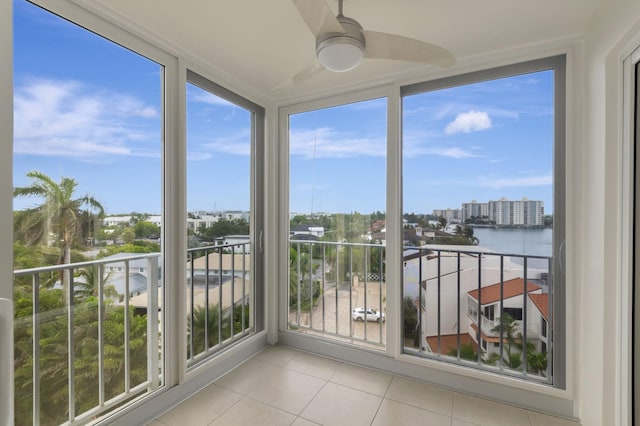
[[546, 398], [558, 64], [177, 382]]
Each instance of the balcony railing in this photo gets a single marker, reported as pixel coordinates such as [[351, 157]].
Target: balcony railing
[[445, 293], [219, 293], [82, 346], [328, 281]]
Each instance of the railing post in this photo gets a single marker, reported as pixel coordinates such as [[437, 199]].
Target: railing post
[[439, 303], [420, 325], [101, 382], [479, 313], [458, 282], [192, 305], [525, 298], [71, 346], [127, 327], [36, 347], [501, 346], [153, 372]]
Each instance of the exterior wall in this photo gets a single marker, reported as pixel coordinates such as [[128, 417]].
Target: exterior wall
[[449, 297], [518, 212], [474, 209]]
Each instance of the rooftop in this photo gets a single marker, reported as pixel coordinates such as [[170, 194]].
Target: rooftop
[[510, 288]]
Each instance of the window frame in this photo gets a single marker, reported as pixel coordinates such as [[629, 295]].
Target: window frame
[[256, 208], [558, 297], [389, 92]]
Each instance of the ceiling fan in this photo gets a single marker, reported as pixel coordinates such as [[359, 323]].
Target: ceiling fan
[[341, 43]]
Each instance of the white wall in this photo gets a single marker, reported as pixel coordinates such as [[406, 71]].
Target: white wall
[[597, 278]]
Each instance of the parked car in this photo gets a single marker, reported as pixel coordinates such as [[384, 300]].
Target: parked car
[[360, 314]]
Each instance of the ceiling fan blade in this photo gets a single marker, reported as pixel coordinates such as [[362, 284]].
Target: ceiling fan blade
[[390, 46], [302, 76], [318, 16]]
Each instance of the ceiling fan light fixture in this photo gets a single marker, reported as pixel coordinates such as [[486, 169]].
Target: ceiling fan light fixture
[[340, 54]]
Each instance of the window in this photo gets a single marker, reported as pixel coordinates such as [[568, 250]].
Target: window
[[88, 139], [224, 145], [483, 171], [337, 202], [488, 312], [514, 313]]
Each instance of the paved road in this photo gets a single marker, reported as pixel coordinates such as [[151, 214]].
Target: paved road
[[324, 312]]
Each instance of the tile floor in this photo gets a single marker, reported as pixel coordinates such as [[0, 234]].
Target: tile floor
[[282, 386]]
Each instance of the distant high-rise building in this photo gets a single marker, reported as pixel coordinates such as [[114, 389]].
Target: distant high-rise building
[[452, 215], [521, 212], [474, 209]]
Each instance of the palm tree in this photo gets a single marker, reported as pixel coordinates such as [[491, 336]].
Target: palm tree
[[58, 217], [89, 282], [508, 327]]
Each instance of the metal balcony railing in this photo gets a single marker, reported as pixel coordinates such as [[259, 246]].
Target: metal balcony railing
[[450, 296], [83, 347], [328, 281], [219, 295]]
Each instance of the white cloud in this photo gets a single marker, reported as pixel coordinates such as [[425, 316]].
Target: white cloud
[[327, 143], [69, 119], [453, 152], [236, 143], [467, 122], [210, 99], [542, 180]]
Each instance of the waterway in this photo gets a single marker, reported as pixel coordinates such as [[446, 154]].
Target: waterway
[[536, 242]]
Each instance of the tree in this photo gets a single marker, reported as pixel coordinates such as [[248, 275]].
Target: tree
[[57, 220], [507, 326], [225, 227], [410, 312], [467, 232], [467, 352], [213, 320], [128, 235], [89, 283], [146, 229]]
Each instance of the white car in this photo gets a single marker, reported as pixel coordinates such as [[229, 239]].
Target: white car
[[358, 314]]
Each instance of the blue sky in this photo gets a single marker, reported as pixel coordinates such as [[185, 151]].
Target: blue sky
[[479, 142], [91, 110]]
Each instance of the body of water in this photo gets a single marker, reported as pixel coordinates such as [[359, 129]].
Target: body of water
[[536, 242]]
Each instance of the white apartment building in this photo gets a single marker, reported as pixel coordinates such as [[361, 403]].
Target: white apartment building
[[506, 212], [452, 215]]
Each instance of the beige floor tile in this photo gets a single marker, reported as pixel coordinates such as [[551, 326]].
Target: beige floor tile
[[287, 389], [392, 413], [244, 378], [363, 379], [202, 408], [483, 412], [249, 412], [338, 405], [277, 355], [155, 423], [458, 422], [303, 422], [539, 419], [421, 395], [313, 365]]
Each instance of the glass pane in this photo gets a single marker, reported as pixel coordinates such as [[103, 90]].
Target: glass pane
[[219, 287], [88, 174], [478, 185], [337, 284]]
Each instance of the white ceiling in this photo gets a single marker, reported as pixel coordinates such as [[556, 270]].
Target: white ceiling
[[262, 43]]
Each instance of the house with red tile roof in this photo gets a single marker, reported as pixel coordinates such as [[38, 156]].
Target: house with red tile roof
[[486, 305]]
